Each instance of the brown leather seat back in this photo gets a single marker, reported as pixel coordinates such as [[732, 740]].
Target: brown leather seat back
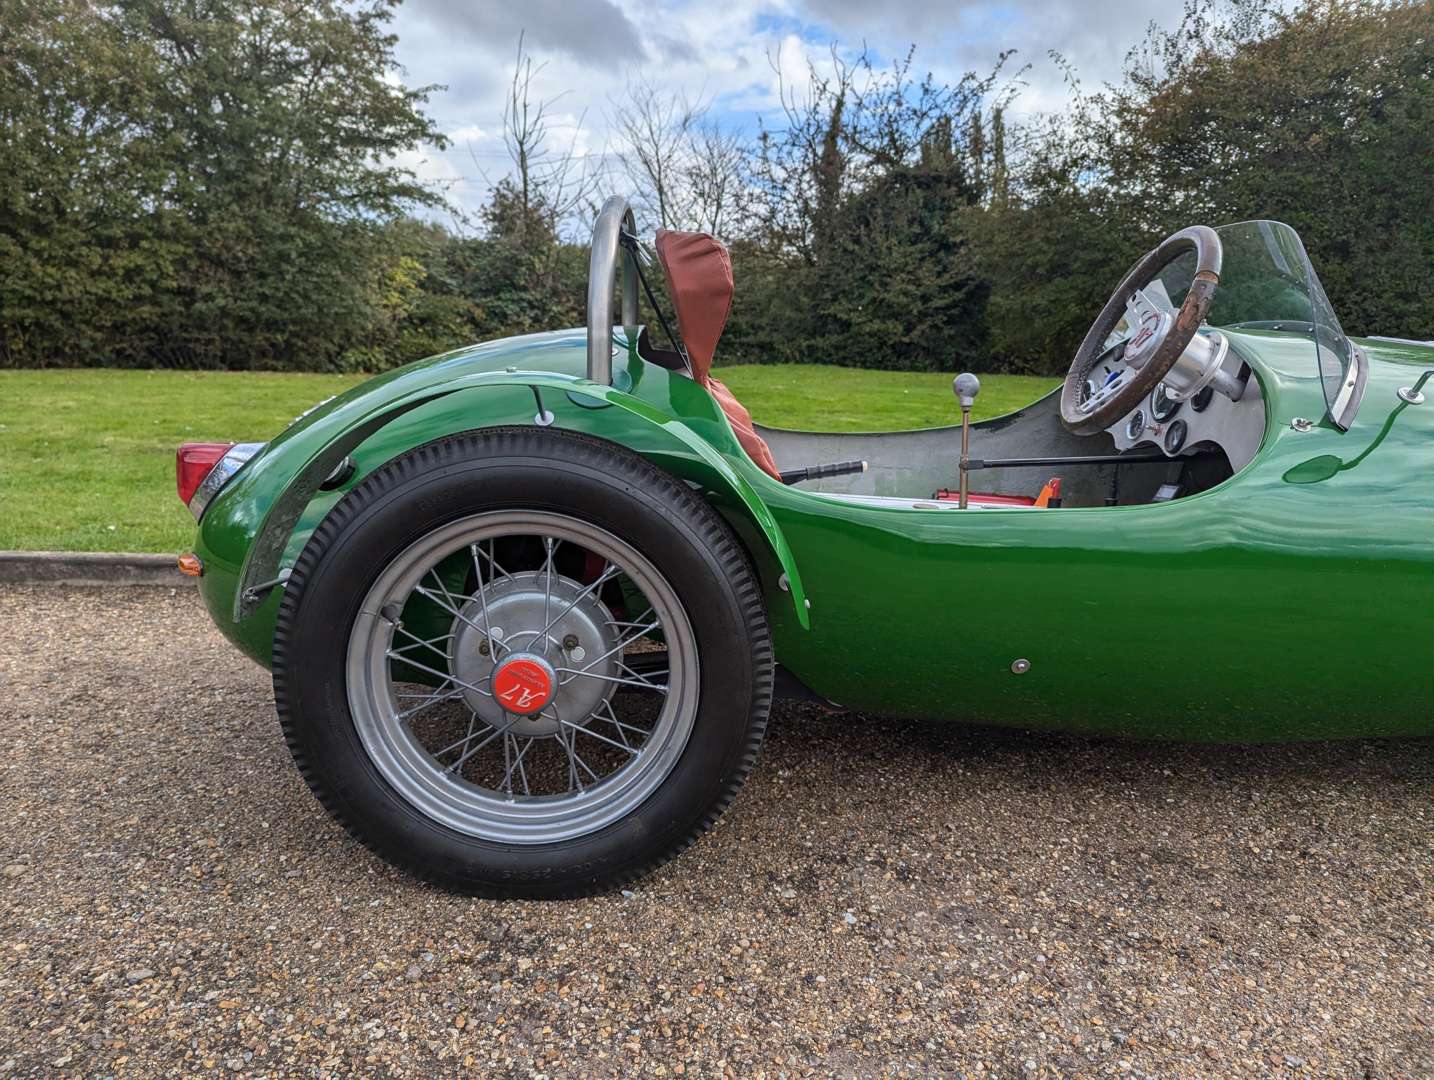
[[699, 278]]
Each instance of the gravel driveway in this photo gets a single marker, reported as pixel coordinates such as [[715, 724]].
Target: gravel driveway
[[884, 898]]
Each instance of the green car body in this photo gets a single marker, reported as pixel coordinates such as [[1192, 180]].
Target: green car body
[[1295, 600]]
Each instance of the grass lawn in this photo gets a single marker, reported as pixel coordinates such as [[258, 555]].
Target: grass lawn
[[87, 457], [818, 397]]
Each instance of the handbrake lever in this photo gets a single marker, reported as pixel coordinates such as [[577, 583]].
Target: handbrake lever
[[816, 472]]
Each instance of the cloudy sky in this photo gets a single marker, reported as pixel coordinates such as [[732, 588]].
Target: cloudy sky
[[719, 51]]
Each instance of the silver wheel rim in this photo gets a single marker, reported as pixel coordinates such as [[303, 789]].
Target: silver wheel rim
[[577, 642]]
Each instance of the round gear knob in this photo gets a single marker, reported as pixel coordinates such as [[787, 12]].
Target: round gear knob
[[966, 386]]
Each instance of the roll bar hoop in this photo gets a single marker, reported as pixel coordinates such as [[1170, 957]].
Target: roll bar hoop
[[612, 220]]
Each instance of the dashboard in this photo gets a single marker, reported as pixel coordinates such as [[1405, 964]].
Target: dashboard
[[1209, 419]]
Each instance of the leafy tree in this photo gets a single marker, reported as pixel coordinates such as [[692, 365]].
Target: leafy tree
[[864, 236], [1321, 116], [526, 278], [198, 182], [214, 183]]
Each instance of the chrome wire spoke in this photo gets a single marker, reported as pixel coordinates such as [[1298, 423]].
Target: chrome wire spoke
[[621, 725], [622, 644], [432, 699], [601, 738], [441, 674], [612, 719], [472, 729], [457, 614], [602, 579], [514, 761], [522, 772], [575, 760], [454, 604], [574, 673], [483, 594], [644, 676], [494, 567], [429, 594], [492, 734], [443, 585], [574, 781], [419, 643], [547, 591], [472, 724]]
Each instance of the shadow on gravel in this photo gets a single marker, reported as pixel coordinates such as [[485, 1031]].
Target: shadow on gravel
[[859, 740]]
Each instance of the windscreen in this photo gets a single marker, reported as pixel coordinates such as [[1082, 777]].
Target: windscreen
[[1267, 283]]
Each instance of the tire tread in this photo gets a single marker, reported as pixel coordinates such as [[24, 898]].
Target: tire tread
[[621, 464]]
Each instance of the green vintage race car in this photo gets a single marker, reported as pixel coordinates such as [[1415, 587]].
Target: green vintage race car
[[527, 604]]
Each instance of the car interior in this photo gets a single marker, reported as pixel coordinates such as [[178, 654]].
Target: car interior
[[1180, 436]]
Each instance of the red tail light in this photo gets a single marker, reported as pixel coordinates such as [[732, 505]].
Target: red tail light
[[193, 461]]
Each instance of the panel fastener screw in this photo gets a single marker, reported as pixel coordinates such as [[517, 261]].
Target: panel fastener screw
[[1302, 425], [1021, 666]]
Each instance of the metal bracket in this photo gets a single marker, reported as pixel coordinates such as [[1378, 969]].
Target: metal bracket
[[254, 593], [544, 418], [1414, 394]]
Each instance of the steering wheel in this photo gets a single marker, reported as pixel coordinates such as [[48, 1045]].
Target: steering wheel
[[1107, 379]]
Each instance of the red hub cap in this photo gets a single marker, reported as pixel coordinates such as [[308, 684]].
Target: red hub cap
[[523, 684]]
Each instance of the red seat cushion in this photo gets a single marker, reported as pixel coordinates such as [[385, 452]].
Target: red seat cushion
[[741, 421]]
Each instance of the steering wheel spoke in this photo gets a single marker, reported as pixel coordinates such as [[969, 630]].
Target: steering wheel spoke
[[1102, 391], [1113, 371]]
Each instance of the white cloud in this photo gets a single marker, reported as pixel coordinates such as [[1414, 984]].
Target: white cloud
[[586, 51]]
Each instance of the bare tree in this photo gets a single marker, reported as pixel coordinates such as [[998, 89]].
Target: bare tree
[[803, 168], [551, 183], [719, 197], [850, 124], [655, 130]]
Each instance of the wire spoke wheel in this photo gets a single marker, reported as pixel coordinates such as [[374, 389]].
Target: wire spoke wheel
[[522, 676], [486, 663]]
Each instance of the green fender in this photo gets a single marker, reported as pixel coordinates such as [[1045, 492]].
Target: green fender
[[271, 483]]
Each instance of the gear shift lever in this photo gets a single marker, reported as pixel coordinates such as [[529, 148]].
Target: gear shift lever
[[965, 386]]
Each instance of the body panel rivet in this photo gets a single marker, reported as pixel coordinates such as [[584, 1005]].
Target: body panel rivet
[[1021, 666]]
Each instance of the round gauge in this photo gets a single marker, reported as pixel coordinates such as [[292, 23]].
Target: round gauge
[[1201, 401], [1175, 437], [1162, 405], [1135, 427]]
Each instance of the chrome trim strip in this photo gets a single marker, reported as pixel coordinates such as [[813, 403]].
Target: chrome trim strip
[[1351, 391], [221, 474]]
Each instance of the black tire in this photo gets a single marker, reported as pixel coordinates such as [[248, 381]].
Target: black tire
[[544, 470]]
